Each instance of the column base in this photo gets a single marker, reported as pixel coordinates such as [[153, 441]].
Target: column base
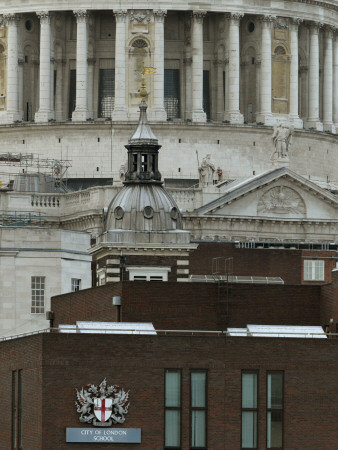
[[80, 116], [330, 127], [314, 124], [10, 117], [234, 117], [44, 116], [296, 122], [198, 116], [157, 114], [119, 114], [265, 119]]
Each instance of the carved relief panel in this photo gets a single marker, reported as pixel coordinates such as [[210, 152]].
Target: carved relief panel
[[281, 201]]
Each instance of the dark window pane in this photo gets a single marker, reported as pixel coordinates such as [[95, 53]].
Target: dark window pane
[[275, 390], [249, 390], [249, 429], [198, 380], [206, 93], [173, 389], [275, 429], [172, 93], [106, 92], [72, 92], [198, 432], [172, 428]]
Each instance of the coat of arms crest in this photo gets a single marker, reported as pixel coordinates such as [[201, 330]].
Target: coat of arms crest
[[102, 405]]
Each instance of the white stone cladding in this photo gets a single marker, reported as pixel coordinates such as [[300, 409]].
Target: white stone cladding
[[26, 252]]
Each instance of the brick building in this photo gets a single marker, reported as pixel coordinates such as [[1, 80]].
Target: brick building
[[204, 387]]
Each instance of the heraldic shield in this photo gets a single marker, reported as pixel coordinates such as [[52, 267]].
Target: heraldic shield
[[103, 408]]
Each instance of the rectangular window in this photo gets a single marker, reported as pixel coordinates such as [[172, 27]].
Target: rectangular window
[[106, 92], [20, 409], [274, 420], [198, 408], [14, 407], [76, 284], [314, 270], [72, 92], [172, 93], [206, 93], [172, 402], [249, 409], [38, 295]]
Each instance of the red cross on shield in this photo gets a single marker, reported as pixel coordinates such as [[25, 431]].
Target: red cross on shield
[[103, 408]]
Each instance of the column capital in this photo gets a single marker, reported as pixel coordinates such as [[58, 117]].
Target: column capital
[[159, 15], [220, 62], [314, 26], [198, 16], [11, 19], [268, 20], [44, 16], [329, 31], [120, 15], [81, 15], [235, 16], [295, 21], [91, 61]]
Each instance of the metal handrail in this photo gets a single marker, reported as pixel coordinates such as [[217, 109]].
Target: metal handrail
[[225, 333]]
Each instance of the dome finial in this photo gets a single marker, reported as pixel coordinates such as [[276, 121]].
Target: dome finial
[[143, 90]]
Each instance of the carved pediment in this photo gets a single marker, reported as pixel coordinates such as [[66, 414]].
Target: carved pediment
[[279, 194]]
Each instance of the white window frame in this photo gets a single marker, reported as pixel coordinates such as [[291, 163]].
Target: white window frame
[[148, 273], [76, 284], [314, 270], [38, 291]]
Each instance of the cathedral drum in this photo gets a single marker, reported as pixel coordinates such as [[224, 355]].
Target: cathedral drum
[[221, 81]]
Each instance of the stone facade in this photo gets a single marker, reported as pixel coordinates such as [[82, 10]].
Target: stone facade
[[236, 66], [52, 257]]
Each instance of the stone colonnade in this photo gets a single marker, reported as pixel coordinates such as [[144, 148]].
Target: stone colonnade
[[194, 67]]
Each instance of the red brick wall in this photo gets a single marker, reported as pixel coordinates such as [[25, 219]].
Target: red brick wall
[[22, 354], [192, 305], [286, 264], [137, 363], [329, 303]]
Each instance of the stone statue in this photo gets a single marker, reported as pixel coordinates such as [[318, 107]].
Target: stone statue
[[206, 172], [282, 136]]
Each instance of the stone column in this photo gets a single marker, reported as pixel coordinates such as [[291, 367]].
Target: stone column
[[313, 111], [81, 109], [91, 66], [232, 114], [335, 79], [197, 113], [328, 82], [120, 108], [12, 114], [294, 75], [158, 112], [265, 114], [45, 112], [60, 63]]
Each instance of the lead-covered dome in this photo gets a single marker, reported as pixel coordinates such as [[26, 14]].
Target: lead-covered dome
[[143, 207], [143, 211]]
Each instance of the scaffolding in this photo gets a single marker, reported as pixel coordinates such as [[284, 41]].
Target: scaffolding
[[21, 218], [222, 273], [31, 163]]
